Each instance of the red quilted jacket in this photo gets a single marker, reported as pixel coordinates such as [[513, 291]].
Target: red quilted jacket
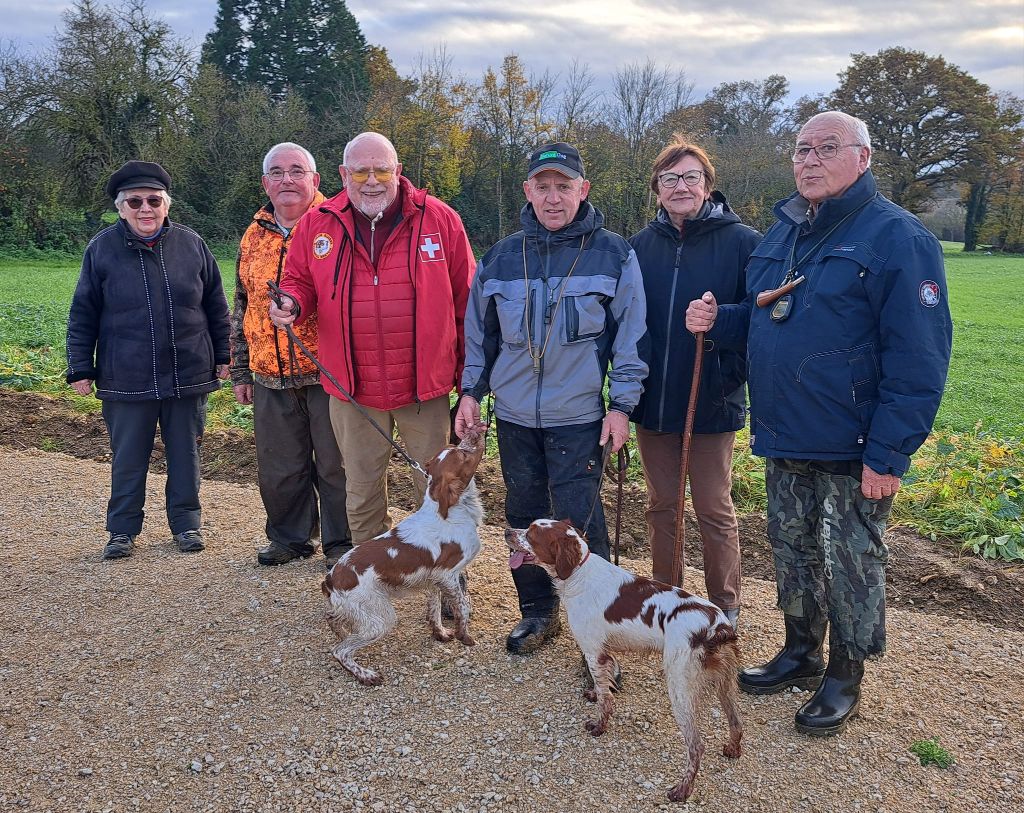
[[400, 340]]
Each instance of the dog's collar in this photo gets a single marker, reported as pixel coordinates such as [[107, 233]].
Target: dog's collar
[[585, 558]]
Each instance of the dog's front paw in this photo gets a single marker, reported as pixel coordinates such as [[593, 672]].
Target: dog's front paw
[[590, 695], [596, 727], [370, 678], [466, 639], [732, 750], [442, 634], [680, 793]]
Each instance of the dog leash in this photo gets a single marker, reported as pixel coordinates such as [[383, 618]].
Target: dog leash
[[276, 293], [618, 474]]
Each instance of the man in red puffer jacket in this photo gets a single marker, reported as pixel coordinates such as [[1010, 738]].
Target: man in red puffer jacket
[[386, 268]]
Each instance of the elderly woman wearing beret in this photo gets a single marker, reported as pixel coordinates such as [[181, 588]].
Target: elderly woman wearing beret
[[149, 326]]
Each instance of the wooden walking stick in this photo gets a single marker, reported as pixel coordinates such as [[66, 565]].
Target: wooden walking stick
[[684, 465]]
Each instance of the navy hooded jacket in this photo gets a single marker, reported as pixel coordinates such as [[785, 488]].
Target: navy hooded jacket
[[858, 369], [709, 255], [148, 322]]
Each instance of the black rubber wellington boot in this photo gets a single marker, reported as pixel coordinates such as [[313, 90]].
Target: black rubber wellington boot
[[799, 663], [539, 625], [837, 698]]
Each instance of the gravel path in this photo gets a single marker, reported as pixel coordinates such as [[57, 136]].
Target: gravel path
[[203, 683]]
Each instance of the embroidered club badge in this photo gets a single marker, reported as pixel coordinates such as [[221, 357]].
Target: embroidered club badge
[[431, 249], [929, 293], [322, 245]]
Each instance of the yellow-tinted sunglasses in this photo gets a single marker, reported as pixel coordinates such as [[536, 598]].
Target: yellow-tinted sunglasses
[[363, 175]]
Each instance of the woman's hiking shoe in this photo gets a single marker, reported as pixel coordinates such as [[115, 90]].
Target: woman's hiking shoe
[[190, 541], [119, 546]]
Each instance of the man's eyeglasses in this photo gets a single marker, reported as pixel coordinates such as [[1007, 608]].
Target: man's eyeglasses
[[296, 174], [154, 201], [363, 175], [670, 180], [826, 152]]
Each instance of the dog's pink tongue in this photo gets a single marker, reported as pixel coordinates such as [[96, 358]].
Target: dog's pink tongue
[[516, 559]]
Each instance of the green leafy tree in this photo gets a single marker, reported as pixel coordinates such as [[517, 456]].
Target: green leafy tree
[[312, 48], [992, 164], [923, 113]]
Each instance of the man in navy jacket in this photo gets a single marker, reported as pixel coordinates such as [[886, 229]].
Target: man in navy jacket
[[847, 352]]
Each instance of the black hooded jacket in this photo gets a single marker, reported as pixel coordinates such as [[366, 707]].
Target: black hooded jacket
[[709, 255]]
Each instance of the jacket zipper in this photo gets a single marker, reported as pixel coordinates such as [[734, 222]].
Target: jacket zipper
[[668, 334], [373, 237]]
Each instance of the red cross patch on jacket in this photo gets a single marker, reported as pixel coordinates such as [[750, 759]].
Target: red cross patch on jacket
[[430, 248]]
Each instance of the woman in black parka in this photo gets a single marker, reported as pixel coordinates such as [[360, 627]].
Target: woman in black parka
[[696, 243], [149, 325]]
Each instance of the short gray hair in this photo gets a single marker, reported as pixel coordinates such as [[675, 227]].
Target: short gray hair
[[365, 137], [123, 195], [288, 145], [856, 127]]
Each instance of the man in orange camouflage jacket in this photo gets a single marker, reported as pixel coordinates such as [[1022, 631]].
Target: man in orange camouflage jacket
[[301, 478]]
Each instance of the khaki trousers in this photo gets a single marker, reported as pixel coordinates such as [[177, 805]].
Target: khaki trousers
[[423, 429], [710, 492]]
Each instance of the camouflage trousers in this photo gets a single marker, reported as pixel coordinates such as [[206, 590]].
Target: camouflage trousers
[[829, 555]]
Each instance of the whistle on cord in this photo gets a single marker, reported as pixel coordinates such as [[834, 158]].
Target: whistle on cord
[[766, 298]]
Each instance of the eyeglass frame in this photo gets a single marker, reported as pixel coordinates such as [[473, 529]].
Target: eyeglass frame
[[135, 203], [294, 174], [377, 172], [681, 176], [809, 149]]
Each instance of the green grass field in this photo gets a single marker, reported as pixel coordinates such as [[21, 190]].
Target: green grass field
[[986, 295]]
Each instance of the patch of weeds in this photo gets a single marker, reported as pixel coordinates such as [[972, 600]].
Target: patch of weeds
[[967, 486], [931, 753], [50, 445]]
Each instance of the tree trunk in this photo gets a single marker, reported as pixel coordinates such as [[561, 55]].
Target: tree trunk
[[977, 204]]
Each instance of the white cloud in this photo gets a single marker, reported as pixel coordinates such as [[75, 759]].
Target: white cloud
[[712, 40]]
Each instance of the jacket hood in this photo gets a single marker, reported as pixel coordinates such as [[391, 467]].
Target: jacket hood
[[714, 214], [412, 199], [588, 220], [793, 210]]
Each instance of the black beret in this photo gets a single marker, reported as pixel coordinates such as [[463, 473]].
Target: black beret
[[139, 175]]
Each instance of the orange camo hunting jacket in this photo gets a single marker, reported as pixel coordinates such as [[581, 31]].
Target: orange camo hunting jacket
[[257, 347]]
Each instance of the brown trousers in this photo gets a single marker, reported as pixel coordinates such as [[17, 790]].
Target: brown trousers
[[365, 453], [710, 479]]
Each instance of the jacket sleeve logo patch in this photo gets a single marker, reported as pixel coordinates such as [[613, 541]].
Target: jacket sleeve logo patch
[[929, 293], [322, 245], [431, 249]]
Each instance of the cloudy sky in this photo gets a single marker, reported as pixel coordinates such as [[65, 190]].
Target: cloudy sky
[[712, 40]]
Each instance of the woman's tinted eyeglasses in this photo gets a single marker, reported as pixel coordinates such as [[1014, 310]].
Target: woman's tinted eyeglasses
[[154, 201]]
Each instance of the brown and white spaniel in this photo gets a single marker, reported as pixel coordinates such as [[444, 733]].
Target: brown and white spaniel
[[427, 550], [613, 610]]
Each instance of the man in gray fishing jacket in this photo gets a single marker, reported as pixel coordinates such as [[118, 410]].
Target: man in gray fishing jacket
[[554, 309]]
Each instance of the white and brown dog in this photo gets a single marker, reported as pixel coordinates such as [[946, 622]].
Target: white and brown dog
[[427, 550], [613, 610]]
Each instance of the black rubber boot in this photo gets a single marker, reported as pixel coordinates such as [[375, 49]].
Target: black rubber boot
[[799, 663], [837, 698], [532, 632]]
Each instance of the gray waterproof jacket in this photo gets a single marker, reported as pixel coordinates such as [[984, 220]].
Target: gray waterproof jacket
[[550, 315]]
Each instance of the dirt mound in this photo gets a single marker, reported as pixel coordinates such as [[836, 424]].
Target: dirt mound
[[924, 576]]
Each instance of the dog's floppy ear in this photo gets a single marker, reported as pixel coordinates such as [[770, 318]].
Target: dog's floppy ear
[[446, 490], [567, 556]]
